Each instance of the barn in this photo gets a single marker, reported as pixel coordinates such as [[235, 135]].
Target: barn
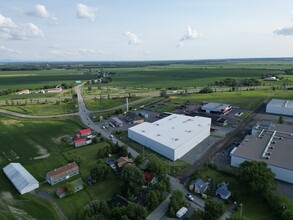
[[172, 136], [23, 181]]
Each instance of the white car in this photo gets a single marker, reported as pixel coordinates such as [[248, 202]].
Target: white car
[[188, 196]]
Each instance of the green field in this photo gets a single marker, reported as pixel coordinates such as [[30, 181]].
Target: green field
[[37, 145]]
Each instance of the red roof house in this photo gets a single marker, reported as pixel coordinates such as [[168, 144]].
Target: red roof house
[[79, 142], [85, 132], [62, 173], [149, 177]]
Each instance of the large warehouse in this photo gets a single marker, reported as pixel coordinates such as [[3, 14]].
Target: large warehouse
[[172, 136], [216, 107], [280, 107], [23, 181], [271, 144]]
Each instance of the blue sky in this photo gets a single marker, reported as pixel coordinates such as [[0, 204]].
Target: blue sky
[[107, 30]]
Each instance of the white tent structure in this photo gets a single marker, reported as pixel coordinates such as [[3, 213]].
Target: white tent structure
[[23, 181]]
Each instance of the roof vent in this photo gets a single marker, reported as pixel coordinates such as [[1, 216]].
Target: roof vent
[[142, 130], [268, 157], [176, 139], [268, 153], [281, 138], [158, 135], [273, 142], [272, 147]]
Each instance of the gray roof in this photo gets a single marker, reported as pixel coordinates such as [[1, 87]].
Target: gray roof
[[272, 146], [215, 106], [281, 103], [19, 176]]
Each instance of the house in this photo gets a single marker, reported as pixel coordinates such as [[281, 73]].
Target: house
[[85, 132], [61, 192], [79, 142], [198, 186], [54, 90], [62, 173], [25, 91], [150, 178], [222, 191], [123, 161]]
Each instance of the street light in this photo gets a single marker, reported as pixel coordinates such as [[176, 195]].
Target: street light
[[240, 209]]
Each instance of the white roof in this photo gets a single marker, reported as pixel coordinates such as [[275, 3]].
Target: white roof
[[174, 130], [281, 103], [19, 176]]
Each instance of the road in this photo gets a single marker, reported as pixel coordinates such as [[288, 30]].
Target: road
[[85, 118]]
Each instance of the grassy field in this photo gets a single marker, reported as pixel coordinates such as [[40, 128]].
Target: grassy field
[[37, 145], [254, 207], [248, 100]]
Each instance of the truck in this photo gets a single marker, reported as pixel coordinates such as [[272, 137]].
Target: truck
[[181, 212]]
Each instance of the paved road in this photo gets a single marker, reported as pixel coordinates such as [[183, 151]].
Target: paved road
[[85, 118], [160, 211]]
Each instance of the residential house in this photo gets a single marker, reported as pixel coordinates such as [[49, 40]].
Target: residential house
[[77, 184], [61, 192], [123, 161], [198, 186], [150, 178], [54, 90], [85, 132], [25, 91], [79, 142], [62, 173], [222, 191]]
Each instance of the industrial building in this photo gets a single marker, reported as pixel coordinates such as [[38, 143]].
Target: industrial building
[[216, 108], [23, 181], [172, 136], [271, 144], [280, 107]]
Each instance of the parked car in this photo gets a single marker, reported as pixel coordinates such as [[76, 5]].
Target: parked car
[[188, 196]]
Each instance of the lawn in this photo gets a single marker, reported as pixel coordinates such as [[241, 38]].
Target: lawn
[[44, 108], [254, 207]]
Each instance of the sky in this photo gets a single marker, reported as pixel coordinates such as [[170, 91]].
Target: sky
[[137, 30]]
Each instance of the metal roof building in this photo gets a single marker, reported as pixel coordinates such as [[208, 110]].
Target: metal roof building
[[172, 136], [272, 146], [280, 107], [216, 107], [23, 181]]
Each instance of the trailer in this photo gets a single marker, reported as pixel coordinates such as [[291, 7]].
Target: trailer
[[181, 212]]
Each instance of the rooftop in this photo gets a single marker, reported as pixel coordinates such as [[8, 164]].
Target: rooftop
[[273, 146], [85, 131], [61, 170], [174, 130], [216, 106], [281, 103]]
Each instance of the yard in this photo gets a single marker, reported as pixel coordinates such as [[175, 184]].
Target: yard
[[254, 207]]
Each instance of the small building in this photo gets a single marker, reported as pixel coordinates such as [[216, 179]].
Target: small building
[[117, 122], [222, 191], [25, 91], [62, 173], [216, 108], [23, 181], [85, 132], [54, 90], [133, 118], [271, 78], [61, 192], [78, 184], [280, 107], [123, 161], [79, 142], [150, 178], [198, 186]]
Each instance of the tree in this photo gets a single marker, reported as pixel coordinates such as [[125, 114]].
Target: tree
[[213, 210], [176, 202], [206, 90], [132, 179], [158, 167], [100, 172], [257, 176], [95, 209], [69, 186], [130, 212], [152, 200]]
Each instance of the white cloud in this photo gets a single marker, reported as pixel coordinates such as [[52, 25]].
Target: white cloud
[[190, 34], [10, 30], [86, 12], [180, 44], [40, 11], [286, 31], [9, 50], [132, 38], [56, 50]]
